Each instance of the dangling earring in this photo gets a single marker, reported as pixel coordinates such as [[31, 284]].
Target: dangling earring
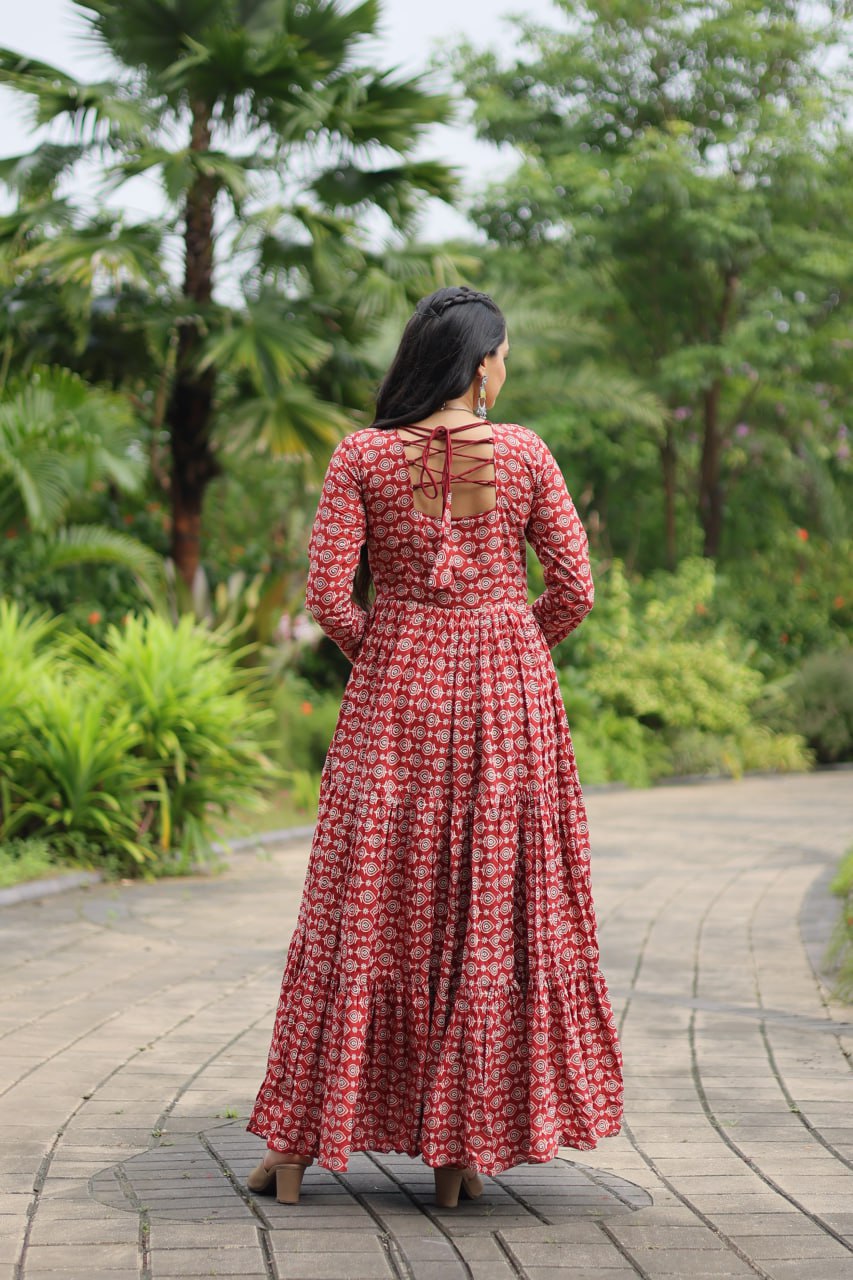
[[482, 409]]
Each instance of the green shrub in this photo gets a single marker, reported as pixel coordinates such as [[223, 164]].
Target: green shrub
[[609, 747], [305, 721], [304, 791], [792, 601], [121, 755], [24, 660], [74, 776], [820, 698], [840, 951], [659, 686], [752, 748], [617, 748], [199, 723]]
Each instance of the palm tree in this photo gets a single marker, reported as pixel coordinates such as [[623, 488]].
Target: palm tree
[[263, 107]]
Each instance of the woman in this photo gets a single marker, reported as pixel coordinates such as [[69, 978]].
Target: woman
[[441, 995]]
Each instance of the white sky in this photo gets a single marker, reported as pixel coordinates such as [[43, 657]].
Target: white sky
[[412, 31]]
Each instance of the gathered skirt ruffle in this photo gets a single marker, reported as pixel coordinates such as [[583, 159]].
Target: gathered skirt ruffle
[[441, 995]]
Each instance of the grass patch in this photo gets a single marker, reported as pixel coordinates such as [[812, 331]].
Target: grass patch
[[22, 860], [841, 946]]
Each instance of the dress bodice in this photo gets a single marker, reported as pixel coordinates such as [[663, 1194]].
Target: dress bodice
[[469, 562]]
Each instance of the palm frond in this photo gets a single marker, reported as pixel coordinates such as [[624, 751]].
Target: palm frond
[[93, 544], [105, 106], [104, 249], [57, 435], [608, 392], [392, 280], [34, 174], [267, 342], [180, 168], [35, 485], [292, 423], [397, 190], [34, 216], [369, 108]]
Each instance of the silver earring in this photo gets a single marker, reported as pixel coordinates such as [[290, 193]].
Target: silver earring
[[482, 410]]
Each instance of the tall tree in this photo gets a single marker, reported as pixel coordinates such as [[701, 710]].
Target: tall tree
[[689, 166], [258, 105]]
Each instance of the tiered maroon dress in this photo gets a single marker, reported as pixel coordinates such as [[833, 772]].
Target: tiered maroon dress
[[442, 994]]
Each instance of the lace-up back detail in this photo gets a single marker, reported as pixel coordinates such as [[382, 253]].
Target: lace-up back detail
[[437, 480]]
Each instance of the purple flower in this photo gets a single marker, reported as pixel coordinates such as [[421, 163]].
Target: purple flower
[[681, 413], [741, 430]]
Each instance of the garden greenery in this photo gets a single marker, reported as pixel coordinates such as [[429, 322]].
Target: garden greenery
[[120, 754], [655, 684], [673, 254]]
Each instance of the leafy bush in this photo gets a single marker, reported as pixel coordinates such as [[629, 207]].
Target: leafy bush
[[614, 748], [752, 748], [197, 719], [75, 777], [120, 755], [792, 601], [305, 722], [820, 694], [24, 661], [659, 687], [25, 860]]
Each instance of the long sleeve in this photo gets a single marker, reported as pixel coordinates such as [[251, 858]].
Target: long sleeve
[[557, 536], [339, 529]]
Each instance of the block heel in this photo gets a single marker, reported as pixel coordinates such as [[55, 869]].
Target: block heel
[[288, 1182], [448, 1184], [453, 1181]]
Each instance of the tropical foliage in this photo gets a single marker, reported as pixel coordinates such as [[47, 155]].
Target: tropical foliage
[[122, 754], [59, 439], [679, 216], [657, 683], [673, 252], [271, 141]]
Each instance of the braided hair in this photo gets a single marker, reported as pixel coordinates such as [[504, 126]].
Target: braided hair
[[437, 359], [440, 351]]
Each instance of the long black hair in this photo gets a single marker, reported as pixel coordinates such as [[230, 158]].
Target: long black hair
[[437, 359], [443, 343]]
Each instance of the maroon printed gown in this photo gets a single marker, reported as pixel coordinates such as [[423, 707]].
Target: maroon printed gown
[[442, 994]]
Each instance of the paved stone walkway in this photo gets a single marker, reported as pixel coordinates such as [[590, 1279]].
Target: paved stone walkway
[[134, 1024]]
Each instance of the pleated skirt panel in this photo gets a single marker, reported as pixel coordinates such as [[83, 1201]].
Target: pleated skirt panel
[[442, 994]]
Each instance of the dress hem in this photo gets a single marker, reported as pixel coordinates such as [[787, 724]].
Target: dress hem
[[340, 1164]]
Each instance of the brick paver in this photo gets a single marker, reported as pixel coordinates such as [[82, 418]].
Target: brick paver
[[135, 1020]]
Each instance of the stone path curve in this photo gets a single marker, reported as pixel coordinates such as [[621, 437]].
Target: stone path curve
[[134, 1023]]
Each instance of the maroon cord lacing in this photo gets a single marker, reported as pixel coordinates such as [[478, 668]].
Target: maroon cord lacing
[[428, 434], [441, 573]]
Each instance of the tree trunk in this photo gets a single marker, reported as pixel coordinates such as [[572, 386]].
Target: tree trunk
[[710, 478], [190, 412], [710, 483], [668, 457]]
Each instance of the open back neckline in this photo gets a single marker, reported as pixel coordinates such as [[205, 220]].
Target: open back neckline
[[453, 429]]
